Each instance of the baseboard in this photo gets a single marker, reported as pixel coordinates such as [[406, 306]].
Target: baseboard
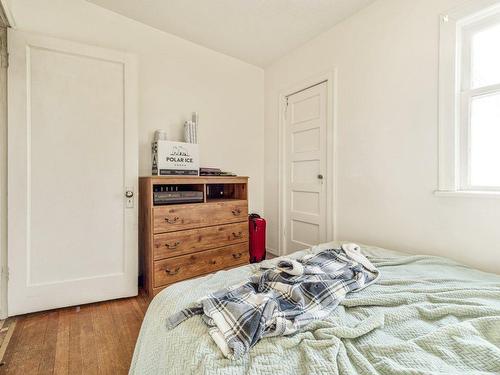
[[273, 251]]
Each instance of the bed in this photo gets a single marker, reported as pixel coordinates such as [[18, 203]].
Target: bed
[[425, 315]]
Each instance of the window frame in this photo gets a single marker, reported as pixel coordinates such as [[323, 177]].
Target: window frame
[[456, 93], [467, 95]]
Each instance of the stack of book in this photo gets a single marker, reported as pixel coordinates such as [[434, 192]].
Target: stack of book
[[191, 129], [214, 172]]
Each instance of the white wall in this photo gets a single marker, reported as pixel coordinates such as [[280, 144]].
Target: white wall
[[387, 61], [176, 77]]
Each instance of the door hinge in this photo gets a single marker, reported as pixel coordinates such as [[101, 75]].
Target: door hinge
[[4, 60], [4, 54]]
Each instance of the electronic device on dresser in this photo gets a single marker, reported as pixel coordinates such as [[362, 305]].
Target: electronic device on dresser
[[180, 240], [177, 197]]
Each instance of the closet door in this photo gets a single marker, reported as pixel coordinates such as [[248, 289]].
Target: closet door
[[306, 168], [72, 158]]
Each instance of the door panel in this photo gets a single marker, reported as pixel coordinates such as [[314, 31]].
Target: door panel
[[307, 107], [305, 171], [306, 140], [306, 202], [305, 234], [306, 149], [72, 154], [65, 124]]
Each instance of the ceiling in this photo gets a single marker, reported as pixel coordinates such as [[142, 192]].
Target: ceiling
[[255, 31]]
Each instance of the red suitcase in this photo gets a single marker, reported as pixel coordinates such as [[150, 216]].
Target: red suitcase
[[257, 231]]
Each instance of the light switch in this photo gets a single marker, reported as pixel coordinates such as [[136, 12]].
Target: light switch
[[130, 202]]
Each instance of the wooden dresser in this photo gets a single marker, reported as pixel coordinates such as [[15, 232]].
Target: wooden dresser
[[182, 241]]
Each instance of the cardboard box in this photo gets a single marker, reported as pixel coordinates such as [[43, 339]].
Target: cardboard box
[[175, 158]]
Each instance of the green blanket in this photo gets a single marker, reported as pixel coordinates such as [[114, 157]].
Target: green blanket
[[425, 315]]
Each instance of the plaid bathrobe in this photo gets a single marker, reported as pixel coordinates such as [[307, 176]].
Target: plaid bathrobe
[[280, 300]]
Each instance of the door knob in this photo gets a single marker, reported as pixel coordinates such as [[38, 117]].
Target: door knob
[[129, 193], [320, 177]]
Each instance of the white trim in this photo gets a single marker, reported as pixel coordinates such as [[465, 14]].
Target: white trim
[[8, 13], [273, 251], [472, 10], [330, 77], [455, 93], [448, 66], [467, 194], [483, 91], [3, 191]]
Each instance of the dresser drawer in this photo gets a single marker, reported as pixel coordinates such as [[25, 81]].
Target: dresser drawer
[[188, 216], [171, 270], [183, 242]]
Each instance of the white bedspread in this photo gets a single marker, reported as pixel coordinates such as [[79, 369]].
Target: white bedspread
[[426, 315]]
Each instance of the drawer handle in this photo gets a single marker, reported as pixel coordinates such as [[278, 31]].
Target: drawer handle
[[238, 235], [236, 212], [237, 256], [174, 272], [213, 262], [172, 246], [172, 221]]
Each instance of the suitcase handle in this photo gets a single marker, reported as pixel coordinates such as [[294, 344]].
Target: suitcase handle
[[252, 218]]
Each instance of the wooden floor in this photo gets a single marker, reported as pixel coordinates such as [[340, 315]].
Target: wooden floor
[[91, 339], [98, 338]]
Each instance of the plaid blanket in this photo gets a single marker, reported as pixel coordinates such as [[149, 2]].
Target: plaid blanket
[[282, 299]]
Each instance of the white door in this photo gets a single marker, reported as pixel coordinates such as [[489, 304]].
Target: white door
[[306, 168], [73, 153]]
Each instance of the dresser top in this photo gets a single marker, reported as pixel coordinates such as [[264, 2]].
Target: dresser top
[[196, 179]]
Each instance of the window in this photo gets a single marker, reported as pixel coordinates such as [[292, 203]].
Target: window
[[469, 124]]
